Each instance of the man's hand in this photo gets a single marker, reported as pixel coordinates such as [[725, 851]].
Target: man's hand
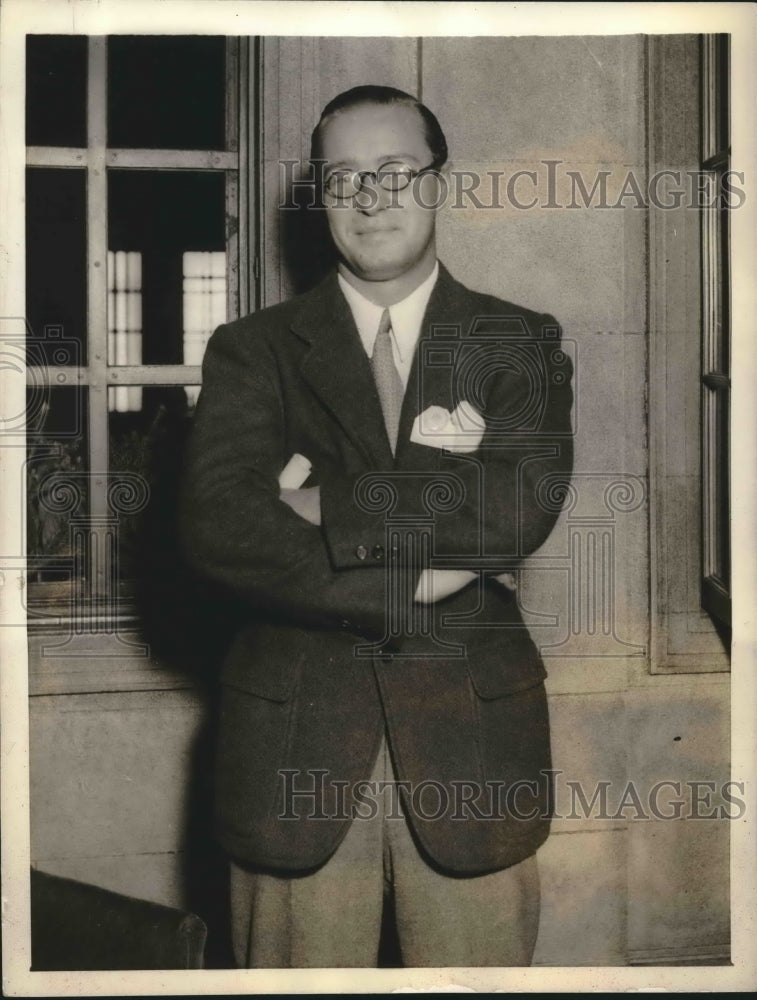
[[306, 503], [436, 584]]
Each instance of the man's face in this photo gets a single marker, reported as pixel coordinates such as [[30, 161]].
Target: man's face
[[380, 235]]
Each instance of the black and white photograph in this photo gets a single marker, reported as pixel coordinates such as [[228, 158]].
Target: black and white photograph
[[378, 550]]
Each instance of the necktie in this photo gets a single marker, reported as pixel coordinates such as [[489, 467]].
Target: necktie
[[388, 381]]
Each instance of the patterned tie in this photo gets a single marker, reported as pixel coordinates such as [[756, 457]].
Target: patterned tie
[[388, 381]]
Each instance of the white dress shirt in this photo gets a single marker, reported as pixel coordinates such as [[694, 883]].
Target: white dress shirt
[[406, 317]]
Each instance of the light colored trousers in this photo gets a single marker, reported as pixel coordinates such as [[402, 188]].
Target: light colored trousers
[[331, 918]]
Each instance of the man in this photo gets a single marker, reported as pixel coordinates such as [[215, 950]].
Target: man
[[384, 640]]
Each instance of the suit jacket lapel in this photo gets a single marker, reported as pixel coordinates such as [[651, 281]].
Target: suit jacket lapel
[[337, 369]]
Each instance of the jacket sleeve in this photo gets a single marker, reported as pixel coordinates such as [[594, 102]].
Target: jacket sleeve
[[511, 487], [234, 528]]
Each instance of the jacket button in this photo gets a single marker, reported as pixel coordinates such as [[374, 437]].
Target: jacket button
[[361, 552], [378, 552]]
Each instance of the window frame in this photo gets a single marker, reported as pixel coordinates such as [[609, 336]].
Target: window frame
[[716, 331], [683, 636], [96, 377]]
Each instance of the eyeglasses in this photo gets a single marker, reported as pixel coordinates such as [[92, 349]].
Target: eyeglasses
[[392, 176]]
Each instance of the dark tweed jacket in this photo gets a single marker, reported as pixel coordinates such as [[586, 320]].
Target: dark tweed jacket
[[321, 668]]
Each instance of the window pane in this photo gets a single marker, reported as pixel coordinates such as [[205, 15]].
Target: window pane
[[166, 92], [715, 277], [56, 480], [166, 266], [56, 276], [722, 88], [716, 486], [723, 501], [724, 346], [148, 440], [56, 90], [203, 303]]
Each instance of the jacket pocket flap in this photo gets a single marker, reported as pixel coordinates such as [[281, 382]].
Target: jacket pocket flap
[[507, 668], [265, 661]]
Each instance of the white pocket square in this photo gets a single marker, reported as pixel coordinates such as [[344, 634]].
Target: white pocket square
[[460, 431]]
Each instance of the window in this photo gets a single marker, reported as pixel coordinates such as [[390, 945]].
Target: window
[[716, 550], [135, 150], [688, 355]]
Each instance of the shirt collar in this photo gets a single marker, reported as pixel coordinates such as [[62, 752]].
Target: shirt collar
[[406, 316]]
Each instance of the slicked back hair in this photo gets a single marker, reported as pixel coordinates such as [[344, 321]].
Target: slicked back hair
[[369, 94]]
